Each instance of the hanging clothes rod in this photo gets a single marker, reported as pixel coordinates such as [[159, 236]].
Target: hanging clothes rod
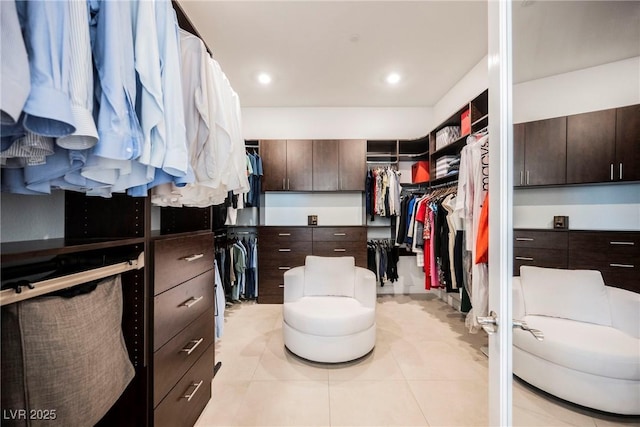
[[43, 287], [446, 184]]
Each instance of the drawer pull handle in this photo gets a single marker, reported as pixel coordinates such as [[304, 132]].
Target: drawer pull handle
[[622, 265], [195, 345], [284, 234], [339, 234], [192, 301], [623, 243], [195, 390], [284, 250], [524, 239], [339, 250], [284, 268], [281, 286], [524, 258], [193, 257]]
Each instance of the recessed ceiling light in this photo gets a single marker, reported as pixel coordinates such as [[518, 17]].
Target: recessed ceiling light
[[264, 78], [393, 78]]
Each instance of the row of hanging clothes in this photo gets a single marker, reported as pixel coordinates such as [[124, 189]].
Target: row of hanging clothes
[[382, 192], [382, 259], [237, 257], [157, 117], [430, 227]]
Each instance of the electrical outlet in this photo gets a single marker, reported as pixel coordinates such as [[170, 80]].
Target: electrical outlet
[[312, 220]]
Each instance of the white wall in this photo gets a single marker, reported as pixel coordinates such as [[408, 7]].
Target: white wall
[[335, 123], [331, 208], [31, 217], [471, 85], [597, 207], [606, 86]]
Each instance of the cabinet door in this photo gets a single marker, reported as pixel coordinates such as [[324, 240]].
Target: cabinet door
[[518, 154], [353, 168], [299, 165], [628, 143], [591, 147], [274, 164], [325, 165], [545, 152]]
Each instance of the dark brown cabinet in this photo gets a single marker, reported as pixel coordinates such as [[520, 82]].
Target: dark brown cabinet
[[353, 168], [326, 165], [539, 248], [595, 147], [545, 153], [287, 165], [627, 159], [614, 253], [518, 154], [283, 248], [591, 147], [339, 165], [183, 327]]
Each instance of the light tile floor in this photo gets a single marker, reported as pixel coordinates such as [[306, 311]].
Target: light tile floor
[[425, 370]]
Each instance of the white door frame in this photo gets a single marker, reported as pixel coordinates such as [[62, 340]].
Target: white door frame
[[500, 210]]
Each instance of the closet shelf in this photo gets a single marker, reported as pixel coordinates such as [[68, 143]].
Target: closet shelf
[[486, 116], [444, 179], [454, 147], [43, 287], [20, 251]]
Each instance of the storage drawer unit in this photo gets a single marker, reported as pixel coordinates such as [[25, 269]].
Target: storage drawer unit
[[178, 259], [186, 400], [282, 248], [615, 253], [183, 327], [539, 248], [175, 358], [176, 308]]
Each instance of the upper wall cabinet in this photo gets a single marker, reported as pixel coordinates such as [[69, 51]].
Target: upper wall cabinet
[[591, 147], [542, 148], [287, 165], [627, 160], [595, 147], [339, 165]]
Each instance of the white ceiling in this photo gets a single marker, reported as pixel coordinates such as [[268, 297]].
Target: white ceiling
[[337, 53]]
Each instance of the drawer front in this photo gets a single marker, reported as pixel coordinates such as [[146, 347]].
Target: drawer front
[[270, 299], [615, 247], [615, 254], [540, 239], [283, 235], [358, 250], [179, 259], [178, 307], [176, 410], [551, 258], [175, 358], [291, 254], [270, 285], [331, 234]]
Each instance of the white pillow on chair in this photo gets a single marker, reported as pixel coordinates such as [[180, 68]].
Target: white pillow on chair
[[570, 294], [333, 276]]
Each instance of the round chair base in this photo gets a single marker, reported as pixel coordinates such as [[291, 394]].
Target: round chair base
[[329, 349]]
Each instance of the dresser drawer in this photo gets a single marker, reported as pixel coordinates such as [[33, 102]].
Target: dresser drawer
[[181, 258], [181, 305], [175, 358], [185, 402], [271, 287], [355, 249], [330, 234], [551, 258], [284, 235], [540, 239], [616, 247], [292, 253]]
